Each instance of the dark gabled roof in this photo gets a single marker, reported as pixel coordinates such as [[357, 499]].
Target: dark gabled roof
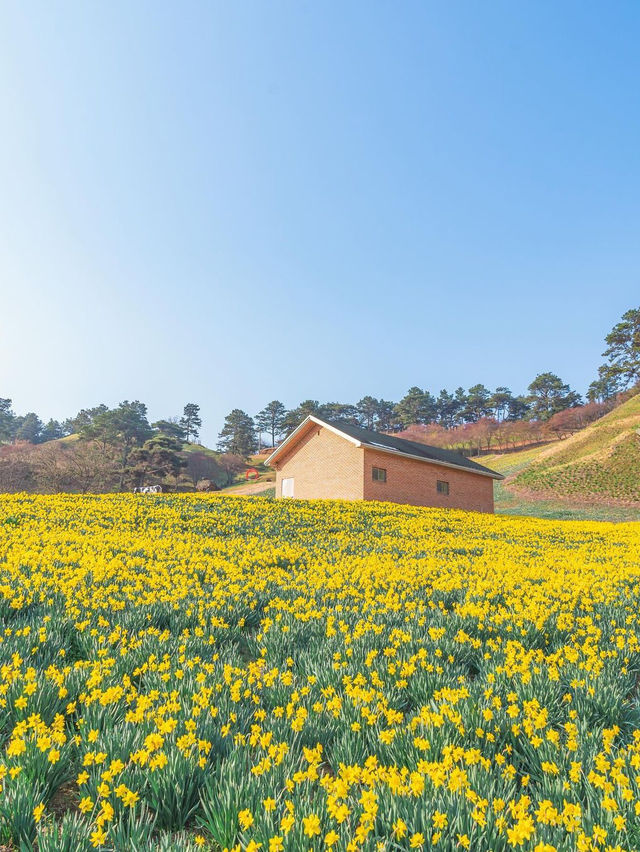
[[390, 443], [378, 440]]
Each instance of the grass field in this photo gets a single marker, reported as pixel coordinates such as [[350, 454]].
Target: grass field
[[195, 671]]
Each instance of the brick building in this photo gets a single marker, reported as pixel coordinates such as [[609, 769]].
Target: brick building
[[340, 461]]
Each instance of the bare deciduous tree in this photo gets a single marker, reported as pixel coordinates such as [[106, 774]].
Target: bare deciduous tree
[[231, 464], [16, 470], [201, 466]]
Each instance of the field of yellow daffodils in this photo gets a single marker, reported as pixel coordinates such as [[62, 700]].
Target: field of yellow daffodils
[[197, 672]]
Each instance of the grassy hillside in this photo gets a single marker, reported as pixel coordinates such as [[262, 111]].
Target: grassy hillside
[[602, 461], [513, 500], [200, 448], [593, 474]]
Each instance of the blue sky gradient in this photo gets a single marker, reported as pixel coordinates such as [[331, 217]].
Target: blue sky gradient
[[228, 203]]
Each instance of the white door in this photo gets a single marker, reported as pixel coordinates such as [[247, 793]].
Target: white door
[[287, 487]]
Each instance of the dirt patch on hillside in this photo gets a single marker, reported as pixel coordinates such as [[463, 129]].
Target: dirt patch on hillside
[[248, 488]]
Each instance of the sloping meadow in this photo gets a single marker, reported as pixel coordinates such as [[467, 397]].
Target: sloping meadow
[[599, 462], [184, 672]]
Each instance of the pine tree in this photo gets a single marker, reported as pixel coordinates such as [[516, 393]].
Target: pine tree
[[271, 419], [29, 428], [191, 422], [295, 417], [238, 435], [623, 351], [368, 410], [7, 420], [172, 428], [478, 404], [549, 395], [500, 401], [417, 406]]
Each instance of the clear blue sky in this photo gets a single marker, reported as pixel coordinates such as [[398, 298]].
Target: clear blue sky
[[232, 202]]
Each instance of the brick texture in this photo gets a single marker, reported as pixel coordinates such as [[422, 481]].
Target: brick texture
[[324, 465], [415, 482]]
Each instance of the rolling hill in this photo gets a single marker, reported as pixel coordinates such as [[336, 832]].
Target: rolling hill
[[596, 467]]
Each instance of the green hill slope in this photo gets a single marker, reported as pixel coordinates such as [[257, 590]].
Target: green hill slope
[[594, 474], [602, 461]]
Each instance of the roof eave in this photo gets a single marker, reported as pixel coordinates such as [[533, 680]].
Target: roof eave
[[484, 472], [286, 441], [310, 418]]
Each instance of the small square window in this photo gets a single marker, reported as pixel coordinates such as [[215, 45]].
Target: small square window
[[443, 487], [379, 474]]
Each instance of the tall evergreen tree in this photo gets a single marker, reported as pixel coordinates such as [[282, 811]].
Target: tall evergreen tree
[[416, 406], [519, 407], [385, 416], [368, 412], [158, 457], [623, 351], [238, 435], [478, 404], [29, 428], [461, 399], [7, 421], [343, 411], [51, 431], [604, 387], [191, 422], [121, 429], [446, 408], [171, 428], [500, 401], [548, 395], [295, 417], [131, 428], [271, 420], [84, 419]]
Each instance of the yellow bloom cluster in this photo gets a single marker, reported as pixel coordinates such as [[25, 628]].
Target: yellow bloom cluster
[[242, 674]]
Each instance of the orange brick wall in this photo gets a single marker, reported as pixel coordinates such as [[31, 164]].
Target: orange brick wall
[[323, 465], [414, 482]]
